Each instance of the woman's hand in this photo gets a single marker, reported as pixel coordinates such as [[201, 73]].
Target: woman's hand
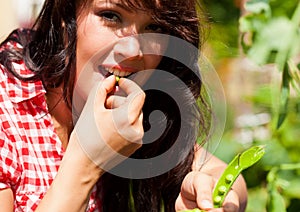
[[196, 192], [197, 187], [110, 127]]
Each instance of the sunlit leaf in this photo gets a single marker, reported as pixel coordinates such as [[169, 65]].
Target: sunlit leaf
[[258, 6], [252, 23], [295, 76], [276, 36]]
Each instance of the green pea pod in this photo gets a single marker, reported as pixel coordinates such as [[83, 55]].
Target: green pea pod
[[239, 163]]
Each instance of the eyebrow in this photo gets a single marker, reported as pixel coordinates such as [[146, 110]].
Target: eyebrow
[[124, 7]]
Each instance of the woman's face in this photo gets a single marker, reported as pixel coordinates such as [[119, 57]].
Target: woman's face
[[108, 41]]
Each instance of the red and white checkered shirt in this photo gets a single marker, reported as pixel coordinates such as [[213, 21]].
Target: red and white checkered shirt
[[30, 150]]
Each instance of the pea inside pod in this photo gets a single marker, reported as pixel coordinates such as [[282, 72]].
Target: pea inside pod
[[239, 163], [117, 80]]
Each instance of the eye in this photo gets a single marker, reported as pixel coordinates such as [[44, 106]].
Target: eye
[[110, 16]]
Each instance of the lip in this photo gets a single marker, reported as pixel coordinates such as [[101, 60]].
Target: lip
[[117, 70]]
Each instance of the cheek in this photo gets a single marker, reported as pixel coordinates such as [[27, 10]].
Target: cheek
[[89, 43], [152, 61], [87, 55], [87, 46]]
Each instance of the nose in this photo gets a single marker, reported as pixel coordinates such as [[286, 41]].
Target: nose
[[128, 48]]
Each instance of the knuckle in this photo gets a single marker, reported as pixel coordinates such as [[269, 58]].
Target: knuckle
[[142, 95], [131, 119], [135, 135], [138, 135], [203, 177], [178, 204]]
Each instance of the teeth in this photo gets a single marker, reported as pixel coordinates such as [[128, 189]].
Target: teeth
[[123, 74], [117, 72]]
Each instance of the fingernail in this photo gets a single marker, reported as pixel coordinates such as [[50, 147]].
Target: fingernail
[[230, 208], [206, 204]]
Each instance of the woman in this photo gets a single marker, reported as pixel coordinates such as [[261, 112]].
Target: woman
[[47, 164]]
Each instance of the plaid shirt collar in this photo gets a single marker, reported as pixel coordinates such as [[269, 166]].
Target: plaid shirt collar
[[19, 91]]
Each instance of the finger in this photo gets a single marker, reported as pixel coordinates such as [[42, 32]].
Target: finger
[[129, 126], [134, 92], [128, 116], [204, 190], [194, 189], [129, 86], [135, 106], [101, 91], [135, 99], [187, 188], [184, 204], [114, 101], [231, 203]]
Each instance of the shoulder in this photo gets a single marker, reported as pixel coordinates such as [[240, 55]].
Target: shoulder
[[16, 39], [13, 70]]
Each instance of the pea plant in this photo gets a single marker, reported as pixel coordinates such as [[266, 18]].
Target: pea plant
[[270, 34], [267, 39]]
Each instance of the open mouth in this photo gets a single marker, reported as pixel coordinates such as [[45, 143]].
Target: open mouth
[[105, 71]]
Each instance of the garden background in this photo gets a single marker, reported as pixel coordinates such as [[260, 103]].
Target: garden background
[[255, 48]]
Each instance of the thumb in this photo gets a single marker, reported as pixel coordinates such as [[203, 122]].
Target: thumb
[[101, 90]]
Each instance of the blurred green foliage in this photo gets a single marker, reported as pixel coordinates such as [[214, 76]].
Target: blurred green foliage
[[223, 18], [268, 32]]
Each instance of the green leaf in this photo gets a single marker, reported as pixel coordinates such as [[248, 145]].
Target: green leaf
[[252, 22], [275, 155], [276, 36], [257, 199], [293, 188], [276, 202], [258, 6], [284, 97], [294, 72]]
